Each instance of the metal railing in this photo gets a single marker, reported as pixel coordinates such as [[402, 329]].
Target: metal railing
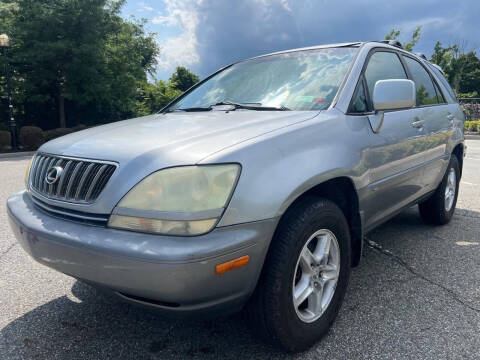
[[471, 108]]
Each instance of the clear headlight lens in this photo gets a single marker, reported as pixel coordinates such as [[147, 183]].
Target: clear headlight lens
[[188, 191]]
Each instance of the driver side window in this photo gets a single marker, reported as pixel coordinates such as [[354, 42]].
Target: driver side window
[[383, 65]]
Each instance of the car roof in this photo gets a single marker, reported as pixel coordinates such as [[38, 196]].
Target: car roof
[[389, 44], [326, 46]]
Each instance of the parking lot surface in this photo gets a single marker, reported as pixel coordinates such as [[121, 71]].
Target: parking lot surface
[[416, 295]]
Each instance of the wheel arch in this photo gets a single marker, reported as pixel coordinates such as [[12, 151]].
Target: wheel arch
[[341, 191], [458, 151]]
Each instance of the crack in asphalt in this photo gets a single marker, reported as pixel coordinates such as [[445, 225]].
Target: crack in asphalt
[[8, 249], [468, 216], [376, 246]]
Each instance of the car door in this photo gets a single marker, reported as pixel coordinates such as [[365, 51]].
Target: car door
[[394, 156], [434, 115]]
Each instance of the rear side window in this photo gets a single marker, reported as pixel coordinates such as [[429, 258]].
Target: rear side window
[[444, 81], [426, 94], [382, 66], [440, 98]]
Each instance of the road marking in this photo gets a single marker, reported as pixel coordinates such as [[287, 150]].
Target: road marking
[[469, 183], [467, 243]]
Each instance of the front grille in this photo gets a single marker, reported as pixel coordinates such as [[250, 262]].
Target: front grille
[[81, 181]]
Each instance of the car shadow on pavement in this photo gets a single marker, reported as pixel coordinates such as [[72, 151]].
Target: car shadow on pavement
[[383, 298]]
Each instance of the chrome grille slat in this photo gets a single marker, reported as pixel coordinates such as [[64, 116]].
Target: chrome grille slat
[[81, 180], [76, 169], [51, 186], [44, 175], [33, 175], [62, 178], [33, 170], [39, 171], [95, 180]]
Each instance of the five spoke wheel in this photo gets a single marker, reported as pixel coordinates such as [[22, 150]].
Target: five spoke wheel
[[316, 275]]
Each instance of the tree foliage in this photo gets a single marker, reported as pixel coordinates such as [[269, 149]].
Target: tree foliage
[[155, 96], [76, 61], [462, 69], [394, 34], [80, 62], [182, 79]]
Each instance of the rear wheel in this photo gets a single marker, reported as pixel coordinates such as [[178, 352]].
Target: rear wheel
[[439, 208], [305, 276]]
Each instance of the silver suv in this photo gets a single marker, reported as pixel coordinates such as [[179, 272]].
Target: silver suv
[[253, 189]]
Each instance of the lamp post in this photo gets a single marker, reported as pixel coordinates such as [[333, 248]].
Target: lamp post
[[4, 45]]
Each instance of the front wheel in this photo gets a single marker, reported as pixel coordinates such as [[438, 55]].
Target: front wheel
[[305, 276], [439, 208]]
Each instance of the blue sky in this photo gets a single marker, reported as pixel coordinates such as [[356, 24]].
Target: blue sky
[[205, 35]]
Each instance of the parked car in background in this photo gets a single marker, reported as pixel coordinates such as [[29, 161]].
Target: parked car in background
[[253, 189]]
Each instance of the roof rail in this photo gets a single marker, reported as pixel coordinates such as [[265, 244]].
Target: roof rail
[[395, 43], [421, 55]]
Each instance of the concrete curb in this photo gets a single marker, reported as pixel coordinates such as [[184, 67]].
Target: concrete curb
[[16, 154], [472, 137]]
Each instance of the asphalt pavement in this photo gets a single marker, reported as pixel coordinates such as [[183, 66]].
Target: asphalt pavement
[[416, 295]]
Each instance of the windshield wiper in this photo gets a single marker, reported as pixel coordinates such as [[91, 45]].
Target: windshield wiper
[[234, 104], [190, 109], [253, 107]]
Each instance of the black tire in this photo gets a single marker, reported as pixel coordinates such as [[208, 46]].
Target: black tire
[[271, 312], [433, 210]]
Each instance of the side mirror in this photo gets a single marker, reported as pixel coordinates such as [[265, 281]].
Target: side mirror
[[394, 94]]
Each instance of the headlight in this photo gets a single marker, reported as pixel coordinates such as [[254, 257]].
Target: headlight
[[185, 200], [27, 172]]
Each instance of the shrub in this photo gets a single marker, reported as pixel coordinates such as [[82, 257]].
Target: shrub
[[79, 127], [55, 133], [5, 140], [31, 137], [472, 125]]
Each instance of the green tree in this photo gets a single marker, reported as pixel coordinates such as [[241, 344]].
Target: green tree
[[77, 59], [394, 34], [183, 79], [461, 69], [155, 96]]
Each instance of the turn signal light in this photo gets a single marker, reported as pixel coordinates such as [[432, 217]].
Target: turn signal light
[[232, 265]]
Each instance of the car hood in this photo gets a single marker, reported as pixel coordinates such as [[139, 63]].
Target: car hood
[[145, 145], [175, 138]]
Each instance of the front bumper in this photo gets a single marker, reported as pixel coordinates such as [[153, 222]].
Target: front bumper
[[175, 274]]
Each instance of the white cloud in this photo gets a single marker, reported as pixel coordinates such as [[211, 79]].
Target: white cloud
[[205, 35], [185, 15], [143, 7], [285, 5], [180, 49]]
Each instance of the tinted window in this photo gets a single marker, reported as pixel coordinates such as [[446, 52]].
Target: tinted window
[[444, 81], [383, 66], [359, 103], [423, 83], [440, 98]]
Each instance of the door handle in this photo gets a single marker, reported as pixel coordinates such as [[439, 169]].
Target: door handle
[[418, 123]]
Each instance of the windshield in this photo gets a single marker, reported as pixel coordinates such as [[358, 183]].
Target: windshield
[[300, 80]]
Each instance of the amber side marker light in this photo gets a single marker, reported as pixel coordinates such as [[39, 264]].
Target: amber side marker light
[[232, 264]]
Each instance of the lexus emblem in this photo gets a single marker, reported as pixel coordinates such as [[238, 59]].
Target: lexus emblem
[[53, 174]]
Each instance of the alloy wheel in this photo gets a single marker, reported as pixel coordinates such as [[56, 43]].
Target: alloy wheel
[[316, 275]]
